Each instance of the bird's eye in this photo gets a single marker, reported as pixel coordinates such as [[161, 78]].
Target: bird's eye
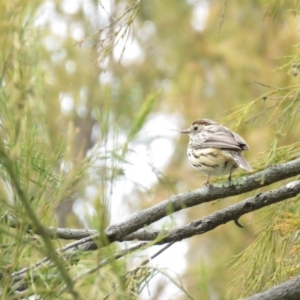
[[195, 127]]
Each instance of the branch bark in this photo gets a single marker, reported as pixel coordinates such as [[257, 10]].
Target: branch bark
[[126, 230], [210, 222], [206, 194], [289, 290]]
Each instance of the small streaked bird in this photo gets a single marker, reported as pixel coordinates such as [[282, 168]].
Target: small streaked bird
[[214, 150]]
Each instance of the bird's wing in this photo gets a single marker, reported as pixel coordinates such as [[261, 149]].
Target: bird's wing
[[221, 138], [241, 141]]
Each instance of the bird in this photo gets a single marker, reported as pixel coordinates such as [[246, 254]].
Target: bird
[[215, 150]]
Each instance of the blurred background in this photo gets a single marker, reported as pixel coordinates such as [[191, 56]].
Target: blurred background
[[99, 90]]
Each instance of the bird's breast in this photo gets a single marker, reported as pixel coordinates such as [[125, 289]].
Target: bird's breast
[[211, 161]]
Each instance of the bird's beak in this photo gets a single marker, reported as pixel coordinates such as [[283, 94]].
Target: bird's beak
[[187, 131]]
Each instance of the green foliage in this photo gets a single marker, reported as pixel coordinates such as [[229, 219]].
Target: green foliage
[[273, 257], [43, 157]]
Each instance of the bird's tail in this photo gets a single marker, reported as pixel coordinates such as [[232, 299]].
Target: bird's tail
[[241, 161]]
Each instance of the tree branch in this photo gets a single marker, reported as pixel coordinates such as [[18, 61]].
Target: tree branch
[[202, 195], [119, 231], [178, 202], [289, 290], [210, 222]]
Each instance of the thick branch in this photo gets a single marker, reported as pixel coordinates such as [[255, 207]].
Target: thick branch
[[210, 222], [289, 290], [178, 202], [205, 194], [230, 213]]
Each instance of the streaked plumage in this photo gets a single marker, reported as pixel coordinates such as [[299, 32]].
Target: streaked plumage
[[214, 149]]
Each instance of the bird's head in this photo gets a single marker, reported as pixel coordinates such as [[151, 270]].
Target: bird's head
[[198, 126]]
